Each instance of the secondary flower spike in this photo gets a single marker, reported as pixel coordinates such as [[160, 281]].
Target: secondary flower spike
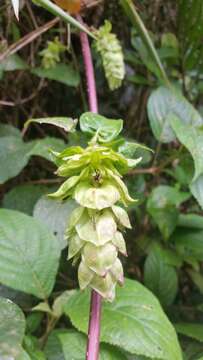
[[94, 232]]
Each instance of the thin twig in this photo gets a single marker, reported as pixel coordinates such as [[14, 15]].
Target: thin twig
[[25, 40]]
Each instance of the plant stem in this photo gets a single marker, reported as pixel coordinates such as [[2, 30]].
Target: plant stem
[[96, 300]]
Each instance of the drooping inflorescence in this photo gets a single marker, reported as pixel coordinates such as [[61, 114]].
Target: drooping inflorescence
[[109, 47], [94, 231]]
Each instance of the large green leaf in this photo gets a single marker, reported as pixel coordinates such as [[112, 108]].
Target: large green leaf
[[65, 123], [134, 322], [107, 129], [23, 197], [163, 204], [15, 154], [74, 347], [194, 331], [55, 214], [160, 277], [63, 73], [12, 327], [29, 254], [162, 104], [191, 137]]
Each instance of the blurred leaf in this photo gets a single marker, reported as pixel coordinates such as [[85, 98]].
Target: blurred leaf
[[74, 347], [162, 105], [190, 17], [63, 73], [53, 347], [66, 124], [8, 130], [60, 301], [106, 129], [12, 327], [194, 331], [12, 63], [29, 254], [196, 188], [197, 278], [163, 205], [136, 21], [160, 277], [24, 197], [33, 321], [191, 220], [54, 214], [23, 356], [189, 242], [142, 324], [192, 138], [41, 147], [133, 150]]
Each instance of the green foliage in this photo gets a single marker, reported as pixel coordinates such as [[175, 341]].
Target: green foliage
[[12, 327], [29, 254], [63, 73], [142, 324], [51, 54]]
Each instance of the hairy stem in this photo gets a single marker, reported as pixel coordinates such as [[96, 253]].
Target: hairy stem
[[96, 300]]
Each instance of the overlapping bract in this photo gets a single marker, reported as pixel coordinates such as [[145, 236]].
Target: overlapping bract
[[94, 228]]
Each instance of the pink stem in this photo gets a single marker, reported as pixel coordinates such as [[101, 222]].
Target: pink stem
[[96, 300]]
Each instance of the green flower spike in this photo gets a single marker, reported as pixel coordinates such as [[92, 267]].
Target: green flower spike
[[94, 232]]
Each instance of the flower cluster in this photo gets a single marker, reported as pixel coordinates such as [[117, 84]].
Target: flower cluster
[[111, 52], [95, 227]]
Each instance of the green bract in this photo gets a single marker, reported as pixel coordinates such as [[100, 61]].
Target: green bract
[[94, 231]]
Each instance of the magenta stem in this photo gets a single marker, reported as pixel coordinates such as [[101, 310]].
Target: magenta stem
[[96, 300]]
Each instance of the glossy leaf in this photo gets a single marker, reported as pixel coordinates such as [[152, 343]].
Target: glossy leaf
[[106, 129], [29, 255], [12, 327], [164, 103], [143, 327], [66, 124]]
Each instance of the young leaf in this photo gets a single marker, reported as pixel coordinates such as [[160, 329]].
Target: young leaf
[[194, 331], [12, 328], [107, 129], [143, 327], [29, 254], [66, 124]]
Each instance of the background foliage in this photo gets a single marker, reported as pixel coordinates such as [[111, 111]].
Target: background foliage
[[42, 316]]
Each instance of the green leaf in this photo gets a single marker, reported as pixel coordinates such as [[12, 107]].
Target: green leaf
[[192, 138], [74, 347], [197, 278], [23, 197], [12, 328], [53, 348], [23, 356], [137, 22], [13, 62], [160, 277], [162, 104], [191, 220], [8, 130], [54, 214], [106, 129], [29, 254], [196, 188], [134, 322], [189, 242], [65, 123], [162, 205], [15, 154], [135, 150], [63, 73], [194, 331]]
